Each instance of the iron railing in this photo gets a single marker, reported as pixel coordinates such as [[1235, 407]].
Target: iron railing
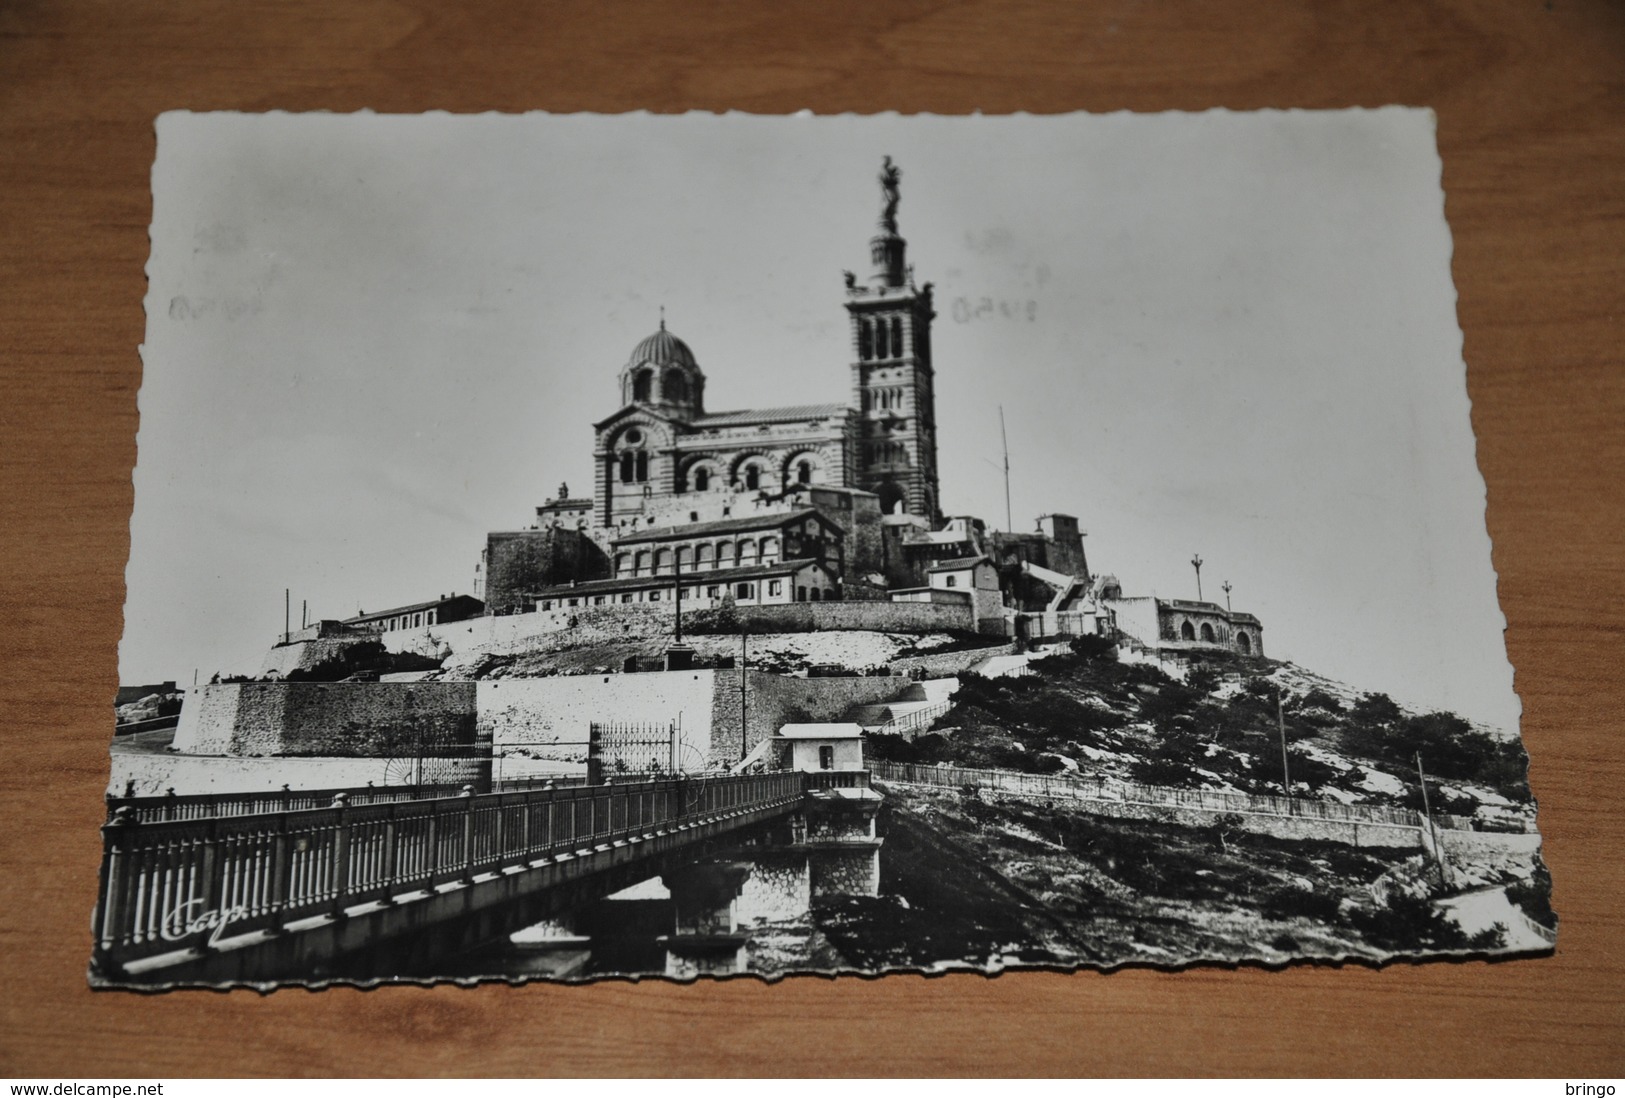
[[917, 720], [186, 883], [208, 806]]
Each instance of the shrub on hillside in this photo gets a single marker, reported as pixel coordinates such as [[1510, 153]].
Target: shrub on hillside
[[1407, 924], [1203, 679], [1534, 897]]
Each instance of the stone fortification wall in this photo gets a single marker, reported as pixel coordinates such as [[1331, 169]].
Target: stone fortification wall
[[336, 719], [302, 655], [522, 561], [880, 617], [772, 701], [541, 629], [540, 726]]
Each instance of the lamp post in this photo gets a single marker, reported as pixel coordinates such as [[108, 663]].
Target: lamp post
[[1196, 562], [1226, 595]]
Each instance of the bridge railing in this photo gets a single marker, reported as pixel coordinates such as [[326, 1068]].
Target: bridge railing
[[205, 806], [186, 883]]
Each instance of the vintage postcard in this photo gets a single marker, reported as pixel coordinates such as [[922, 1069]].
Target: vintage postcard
[[580, 546]]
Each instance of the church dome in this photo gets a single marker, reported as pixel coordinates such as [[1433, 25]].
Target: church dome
[[662, 349]]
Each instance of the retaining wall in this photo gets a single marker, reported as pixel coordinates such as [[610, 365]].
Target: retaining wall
[[330, 719], [773, 701], [535, 725]]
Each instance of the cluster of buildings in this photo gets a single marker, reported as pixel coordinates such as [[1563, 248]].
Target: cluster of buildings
[[804, 504]]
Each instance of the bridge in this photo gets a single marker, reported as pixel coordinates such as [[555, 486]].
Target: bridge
[[260, 892]]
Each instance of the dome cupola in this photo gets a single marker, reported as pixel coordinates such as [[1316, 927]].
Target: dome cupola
[[663, 374]]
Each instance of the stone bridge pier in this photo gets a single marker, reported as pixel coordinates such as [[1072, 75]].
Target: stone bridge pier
[[706, 939], [843, 851]]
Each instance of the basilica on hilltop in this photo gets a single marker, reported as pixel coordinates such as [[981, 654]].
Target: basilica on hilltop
[[810, 502]]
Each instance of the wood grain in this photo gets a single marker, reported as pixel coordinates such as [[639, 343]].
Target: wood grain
[[1531, 105]]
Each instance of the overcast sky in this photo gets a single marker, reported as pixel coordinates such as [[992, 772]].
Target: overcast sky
[[371, 339]]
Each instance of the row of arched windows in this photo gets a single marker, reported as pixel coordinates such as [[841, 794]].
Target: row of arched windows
[[892, 398], [699, 558], [885, 453], [753, 475], [673, 387], [1208, 635], [880, 337], [634, 466]]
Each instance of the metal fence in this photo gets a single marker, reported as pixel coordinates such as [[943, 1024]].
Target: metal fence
[[916, 721], [176, 885], [208, 806], [1121, 792]]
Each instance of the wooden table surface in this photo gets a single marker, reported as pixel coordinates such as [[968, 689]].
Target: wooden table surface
[[1530, 97]]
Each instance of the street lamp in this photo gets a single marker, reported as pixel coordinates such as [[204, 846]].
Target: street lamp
[[1196, 562]]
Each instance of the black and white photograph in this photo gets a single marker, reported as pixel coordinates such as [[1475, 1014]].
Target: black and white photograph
[[582, 546]]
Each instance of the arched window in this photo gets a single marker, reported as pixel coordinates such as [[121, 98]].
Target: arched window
[[1207, 632], [623, 564], [702, 557], [663, 562], [891, 498], [815, 593], [1244, 643], [685, 558], [801, 593], [770, 550], [641, 566], [866, 340], [897, 337], [702, 479], [642, 466], [804, 472], [725, 554], [628, 466], [1186, 632], [674, 388], [952, 581], [753, 477], [642, 382], [747, 553]]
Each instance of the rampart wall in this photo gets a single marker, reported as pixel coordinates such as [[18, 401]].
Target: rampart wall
[[327, 718], [882, 617], [773, 701]]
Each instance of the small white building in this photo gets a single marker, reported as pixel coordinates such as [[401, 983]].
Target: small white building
[[815, 747]]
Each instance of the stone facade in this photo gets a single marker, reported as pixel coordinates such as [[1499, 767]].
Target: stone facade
[[1180, 625], [327, 718], [518, 562]]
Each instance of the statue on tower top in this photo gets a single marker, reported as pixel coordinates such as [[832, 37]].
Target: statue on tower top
[[889, 177]]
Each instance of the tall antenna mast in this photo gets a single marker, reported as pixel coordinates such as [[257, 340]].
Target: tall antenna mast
[[1009, 523]]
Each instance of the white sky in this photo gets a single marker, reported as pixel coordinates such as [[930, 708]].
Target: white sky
[[373, 338]]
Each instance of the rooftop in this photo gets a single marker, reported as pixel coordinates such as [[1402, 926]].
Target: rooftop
[[430, 605], [958, 564], [750, 416], [770, 520], [821, 732], [662, 349], [668, 579]]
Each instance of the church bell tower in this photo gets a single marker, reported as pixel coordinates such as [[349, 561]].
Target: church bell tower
[[893, 386]]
